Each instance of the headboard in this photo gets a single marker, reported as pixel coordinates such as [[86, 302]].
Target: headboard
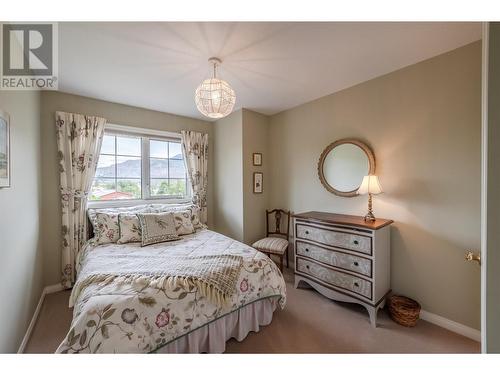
[[90, 227]]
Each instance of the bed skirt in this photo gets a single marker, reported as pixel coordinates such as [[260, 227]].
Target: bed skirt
[[212, 337]]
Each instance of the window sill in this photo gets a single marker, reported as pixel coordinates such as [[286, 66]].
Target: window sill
[[136, 202]]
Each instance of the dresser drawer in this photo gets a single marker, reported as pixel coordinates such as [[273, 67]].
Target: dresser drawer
[[335, 278], [335, 258], [331, 237]]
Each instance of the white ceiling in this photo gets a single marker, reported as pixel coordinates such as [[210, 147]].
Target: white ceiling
[[272, 66]]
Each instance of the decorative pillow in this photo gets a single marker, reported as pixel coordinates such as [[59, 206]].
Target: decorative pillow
[[92, 213], [195, 211], [195, 217], [108, 230], [130, 228], [157, 228], [183, 223]]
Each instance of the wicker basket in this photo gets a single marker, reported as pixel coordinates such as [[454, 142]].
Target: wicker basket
[[404, 310]]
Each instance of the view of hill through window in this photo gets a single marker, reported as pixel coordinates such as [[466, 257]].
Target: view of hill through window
[[120, 172]]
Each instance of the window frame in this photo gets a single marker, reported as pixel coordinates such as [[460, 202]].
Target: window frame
[[145, 135]]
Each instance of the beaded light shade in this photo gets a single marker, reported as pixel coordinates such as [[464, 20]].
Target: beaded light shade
[[214, 97]]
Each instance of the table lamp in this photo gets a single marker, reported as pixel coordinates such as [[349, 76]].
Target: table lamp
[[370, 185]]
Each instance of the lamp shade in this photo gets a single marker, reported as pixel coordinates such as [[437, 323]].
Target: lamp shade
[[370, 185], [215, 98]]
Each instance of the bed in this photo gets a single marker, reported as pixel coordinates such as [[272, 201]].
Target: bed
[[125, 301]]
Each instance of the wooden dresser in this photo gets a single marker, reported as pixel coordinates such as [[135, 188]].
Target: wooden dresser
[[344, 258]]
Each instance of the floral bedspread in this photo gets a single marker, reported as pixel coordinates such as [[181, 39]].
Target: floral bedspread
[[117, 317]]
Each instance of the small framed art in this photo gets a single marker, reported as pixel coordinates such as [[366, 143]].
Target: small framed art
[[4, 149], [257, 158], [258, 178]]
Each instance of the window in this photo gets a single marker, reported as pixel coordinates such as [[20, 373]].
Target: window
[[166, 168], [139, 167]]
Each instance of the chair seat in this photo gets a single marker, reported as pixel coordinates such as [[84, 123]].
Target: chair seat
[[273, 245]]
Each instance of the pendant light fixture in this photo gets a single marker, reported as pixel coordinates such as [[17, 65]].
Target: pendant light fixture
[[214, 97]]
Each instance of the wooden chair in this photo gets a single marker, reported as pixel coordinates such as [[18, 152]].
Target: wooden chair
[[276, 242]]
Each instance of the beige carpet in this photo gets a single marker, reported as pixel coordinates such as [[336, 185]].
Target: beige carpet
[[310, 323]]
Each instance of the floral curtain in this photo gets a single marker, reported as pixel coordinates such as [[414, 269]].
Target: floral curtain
[[79, 140], [195, 150]]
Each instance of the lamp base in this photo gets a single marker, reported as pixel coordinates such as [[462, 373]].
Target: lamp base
[[370, 217]]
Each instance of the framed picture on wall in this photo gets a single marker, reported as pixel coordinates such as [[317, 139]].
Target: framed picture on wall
[[4, 149], [257, 182], [257, 158]]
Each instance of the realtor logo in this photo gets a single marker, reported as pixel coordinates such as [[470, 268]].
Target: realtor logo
[[29, 56]]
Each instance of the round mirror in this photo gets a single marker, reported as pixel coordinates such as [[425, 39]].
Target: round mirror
[[343, 164]]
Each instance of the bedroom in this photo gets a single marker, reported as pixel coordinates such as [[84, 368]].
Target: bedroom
[[248, 187]]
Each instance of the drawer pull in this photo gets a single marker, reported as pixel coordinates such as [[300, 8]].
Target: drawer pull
[[356, 242], [307, 249], [307, 266], [307, 232], [356, 285], [356, 264]]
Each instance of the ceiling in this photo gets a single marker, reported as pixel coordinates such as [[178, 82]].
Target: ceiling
[[272, 66]]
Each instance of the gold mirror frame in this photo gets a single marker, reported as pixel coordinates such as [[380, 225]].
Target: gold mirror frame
[[369, 154]]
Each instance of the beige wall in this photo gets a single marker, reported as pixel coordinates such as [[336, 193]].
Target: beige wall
[[116, 114], [20, 250], [239, 213], [493, 198], [228, 180], [424, 124], [255, 139]]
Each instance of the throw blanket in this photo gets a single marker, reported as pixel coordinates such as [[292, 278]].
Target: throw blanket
[[118, 316], [215, 276]]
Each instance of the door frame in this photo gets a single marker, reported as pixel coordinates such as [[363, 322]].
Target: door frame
[[484, 177]]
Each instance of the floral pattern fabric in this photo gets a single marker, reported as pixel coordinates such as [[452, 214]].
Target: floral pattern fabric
[[92, 213], [196, 217], [195, 150], [195, 211], [183, 223], [114, 317], [79, 139], [108, 230], [130, 228], [147, 208]]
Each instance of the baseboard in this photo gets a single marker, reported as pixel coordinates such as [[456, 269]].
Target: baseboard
[[47, 290], [450, 325], [53, 288]]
